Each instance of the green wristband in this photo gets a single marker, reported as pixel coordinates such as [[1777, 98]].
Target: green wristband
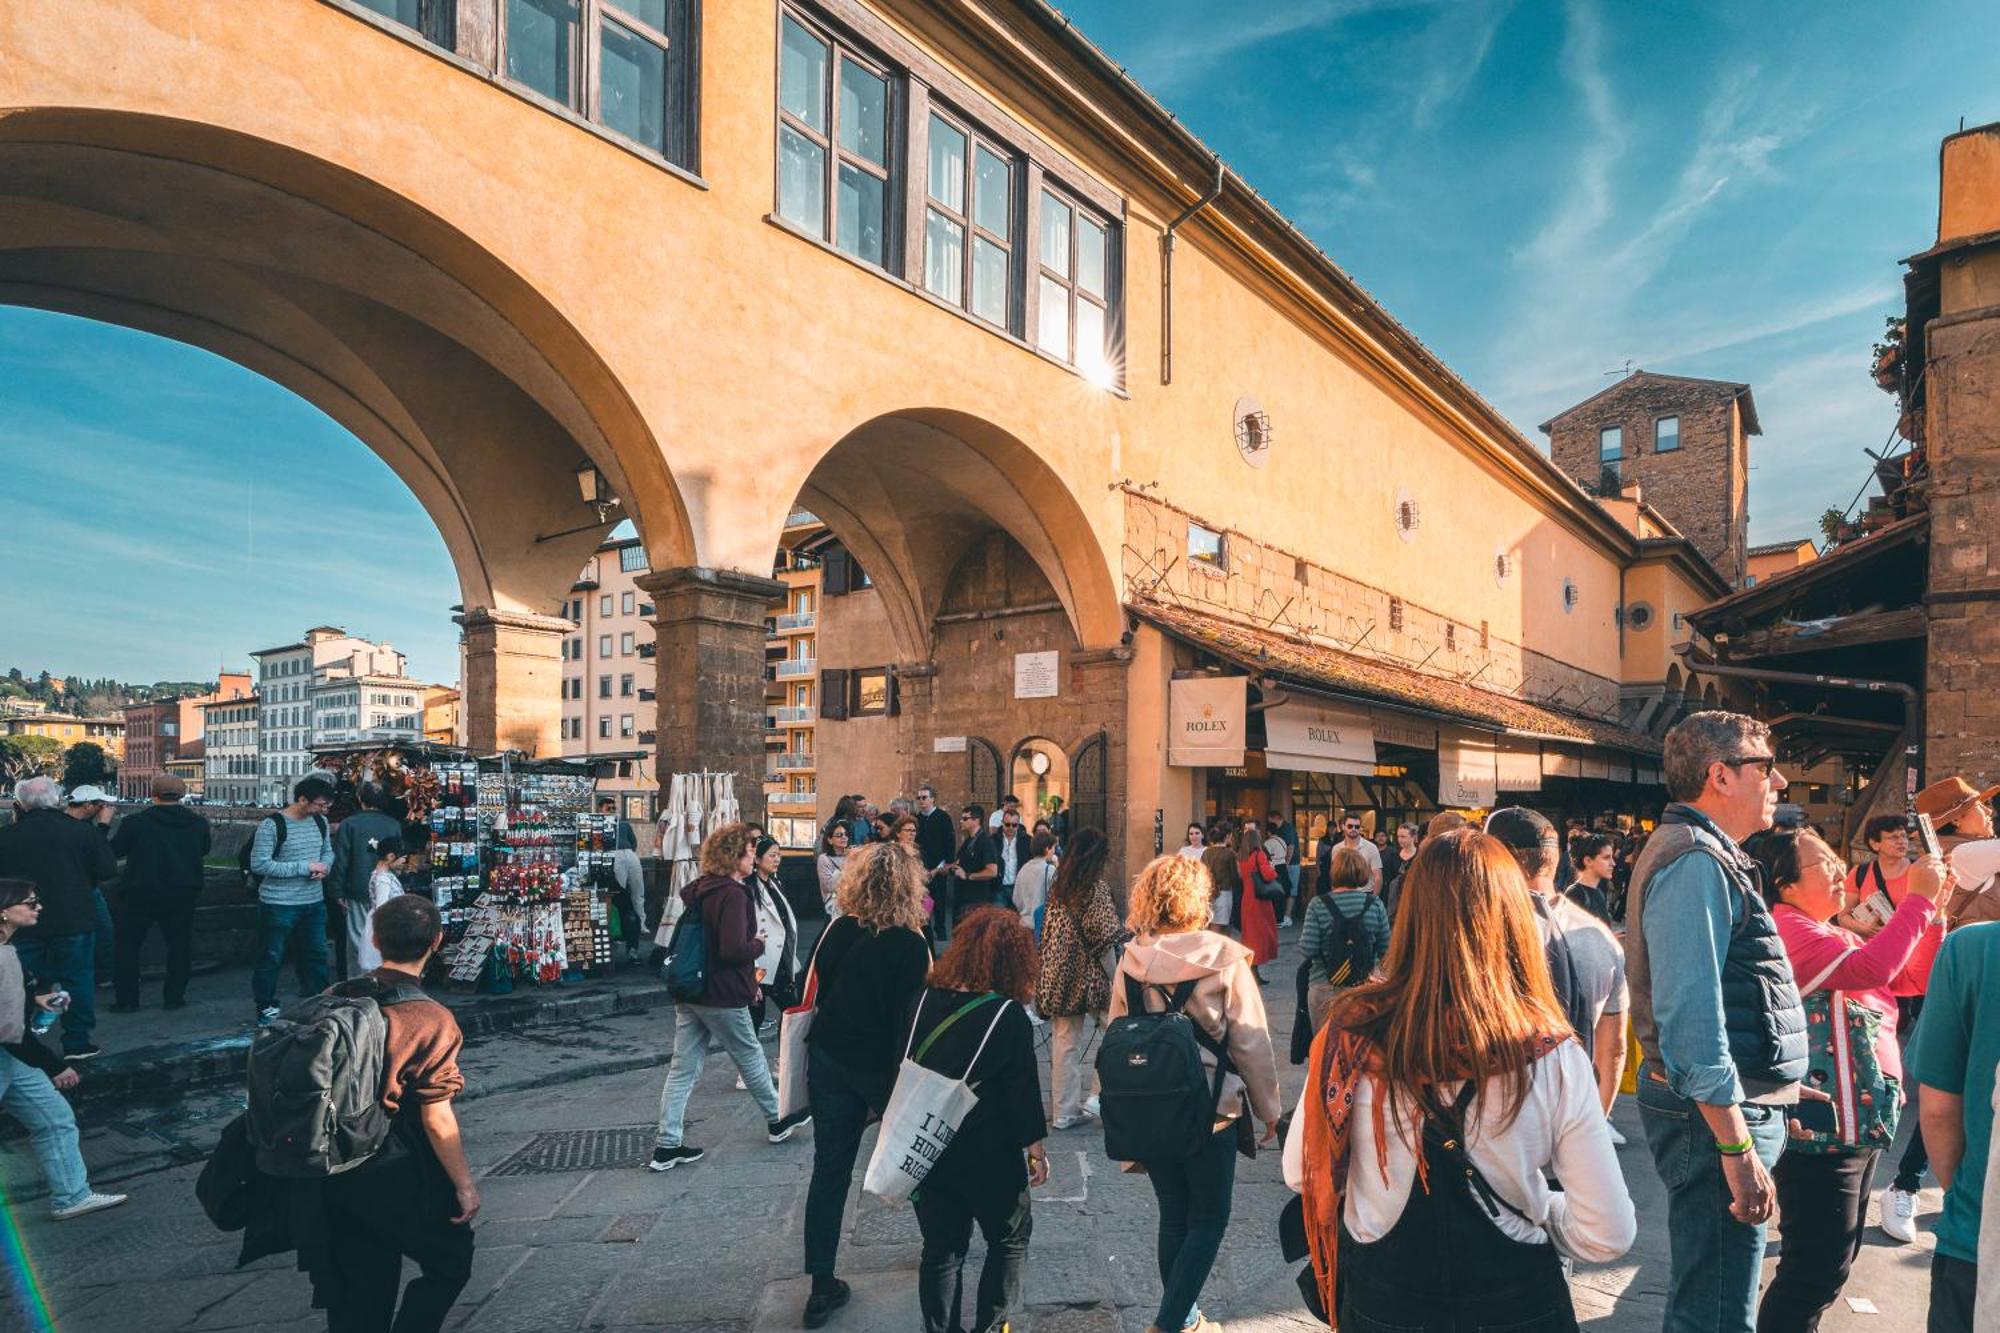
[[1734, 1149]]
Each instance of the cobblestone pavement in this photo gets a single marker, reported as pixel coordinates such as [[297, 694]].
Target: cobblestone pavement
[[716, 1246]]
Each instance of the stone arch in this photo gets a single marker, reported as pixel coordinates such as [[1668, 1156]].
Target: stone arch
[[911, 492], [468, 382]]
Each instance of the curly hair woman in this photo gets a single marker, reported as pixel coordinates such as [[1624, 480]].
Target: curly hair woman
[[1169, 915], [1079, 929], [981, 1177], [870, 964], [728, 915], [1456, 1067]]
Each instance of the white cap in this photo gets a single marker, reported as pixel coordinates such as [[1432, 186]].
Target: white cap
[[87, 793]]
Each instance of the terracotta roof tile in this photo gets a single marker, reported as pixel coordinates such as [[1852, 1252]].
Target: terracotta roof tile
[[1317, 666]]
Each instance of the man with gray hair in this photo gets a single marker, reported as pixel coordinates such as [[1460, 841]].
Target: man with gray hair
[[1715, 1008], [65, 859]]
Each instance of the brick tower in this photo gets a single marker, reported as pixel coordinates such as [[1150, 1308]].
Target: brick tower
[[1685, 441]]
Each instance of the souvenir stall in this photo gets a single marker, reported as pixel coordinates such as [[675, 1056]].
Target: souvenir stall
[[697, 805], [518, 864]]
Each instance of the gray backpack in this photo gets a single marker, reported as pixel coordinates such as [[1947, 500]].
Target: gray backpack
[[316, 1080]]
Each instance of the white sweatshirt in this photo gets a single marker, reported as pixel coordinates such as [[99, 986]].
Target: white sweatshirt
[[1561, 1125]]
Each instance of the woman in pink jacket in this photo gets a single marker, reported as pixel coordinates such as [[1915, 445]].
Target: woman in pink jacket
[[1823, 1195]]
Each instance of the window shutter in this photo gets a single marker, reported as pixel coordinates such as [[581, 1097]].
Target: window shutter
[[833, 693], [833, 574], [893, 705]]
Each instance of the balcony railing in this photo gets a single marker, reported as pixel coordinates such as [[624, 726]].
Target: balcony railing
[[797, 620], [792, 713], [798, 666], [796, 759], [794, 798]]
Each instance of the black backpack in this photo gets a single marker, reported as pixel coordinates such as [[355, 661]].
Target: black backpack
[[1156, 1099], [277, 844], [316, 1079], [1347, 951]]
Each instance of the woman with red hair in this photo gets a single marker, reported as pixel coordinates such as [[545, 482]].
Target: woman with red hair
[[982, 983]]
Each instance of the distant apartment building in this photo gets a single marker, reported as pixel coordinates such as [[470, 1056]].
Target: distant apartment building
[[15, 706], [444, 715], [190, 765], [163, 728], [68, 728], [608, 713], [229, 755], [310, 694], [1776, 557], [792, 683], [1684, 441]]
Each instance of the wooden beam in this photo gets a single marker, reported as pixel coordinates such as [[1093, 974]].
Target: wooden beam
[[1905, 622]]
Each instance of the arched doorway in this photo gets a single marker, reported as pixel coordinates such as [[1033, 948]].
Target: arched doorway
[[1040, 777], [467, 382]]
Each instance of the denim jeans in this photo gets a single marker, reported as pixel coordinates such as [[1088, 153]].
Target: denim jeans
[[304, 925], [945, 1216], [28, 1096], [1194, 1195], [1716, 1260], [72, 960], [1822, 1207], [693, 1025]]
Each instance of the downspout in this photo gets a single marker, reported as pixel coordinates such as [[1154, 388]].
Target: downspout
[[1167, 273]]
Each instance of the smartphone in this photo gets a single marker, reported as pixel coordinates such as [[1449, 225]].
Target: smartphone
[[1816, 1117], [1927, 831]]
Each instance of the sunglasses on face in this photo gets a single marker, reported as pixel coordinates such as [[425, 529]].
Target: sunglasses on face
[[1767, 762], [29, 902]]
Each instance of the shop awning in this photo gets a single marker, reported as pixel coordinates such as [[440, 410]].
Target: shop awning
[[1313, 736], [1350, 676]]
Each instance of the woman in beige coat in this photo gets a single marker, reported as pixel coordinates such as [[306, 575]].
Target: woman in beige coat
[[1169, 916]]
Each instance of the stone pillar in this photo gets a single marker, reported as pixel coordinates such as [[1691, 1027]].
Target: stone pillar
[[710, 674], [1962, 436], [513, 681]]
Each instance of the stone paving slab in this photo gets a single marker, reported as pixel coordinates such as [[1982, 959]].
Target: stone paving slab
[[715, 1247]]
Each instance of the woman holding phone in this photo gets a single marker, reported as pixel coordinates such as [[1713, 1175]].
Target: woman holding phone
[[1824, 1176]]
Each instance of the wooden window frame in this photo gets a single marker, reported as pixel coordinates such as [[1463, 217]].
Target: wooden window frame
[[893, 172], [976, 139], [1072, 285], [1674, 417]]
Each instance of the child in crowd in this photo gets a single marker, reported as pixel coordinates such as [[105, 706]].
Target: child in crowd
[[391, 857]]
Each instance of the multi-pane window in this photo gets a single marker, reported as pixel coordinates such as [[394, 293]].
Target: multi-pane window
[[1610, 455], [1666, 435], [604, 728], [637, 84], [625, 727], [625, 686], [833, 142], [626, 603], [604, 687], [604, 645], [604, 605], [632, 558], [432, 18], [969, 222], [1074, 298], [627, 642]]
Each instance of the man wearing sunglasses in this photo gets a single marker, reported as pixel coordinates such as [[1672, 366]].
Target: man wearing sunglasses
[[1716, 1010]]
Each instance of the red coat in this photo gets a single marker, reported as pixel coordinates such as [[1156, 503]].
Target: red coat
[[1258, 918]]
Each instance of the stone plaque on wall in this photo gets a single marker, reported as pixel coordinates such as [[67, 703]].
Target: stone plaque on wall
[[1036, 675], [948, 745]]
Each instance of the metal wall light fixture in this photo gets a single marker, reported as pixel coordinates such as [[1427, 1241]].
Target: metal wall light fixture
[[596, 493]]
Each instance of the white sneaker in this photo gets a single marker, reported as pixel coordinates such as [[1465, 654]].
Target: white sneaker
[[1617, 1139], [741, 1086], [1899, 1215], [1091, 1106], [92, 1203]]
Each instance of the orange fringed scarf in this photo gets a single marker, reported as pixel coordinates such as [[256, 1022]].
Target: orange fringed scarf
[[1340, 1060]]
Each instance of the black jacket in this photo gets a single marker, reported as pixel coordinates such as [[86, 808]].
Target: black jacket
[[937, 838], [163, 847], [65, 859], [1023, 847], [867, 982], [984, 1160]]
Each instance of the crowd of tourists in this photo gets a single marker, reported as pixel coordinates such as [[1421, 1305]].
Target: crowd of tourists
[[1465, 998]]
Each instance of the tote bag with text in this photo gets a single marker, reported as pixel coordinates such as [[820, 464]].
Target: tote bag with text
[[924, 1112]]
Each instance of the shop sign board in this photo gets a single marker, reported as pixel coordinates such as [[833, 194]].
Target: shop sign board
[[1306, 736], [948, 745], [1036, 675], [1467, 773], [1395, 729], [1518, 766], [1561, 763], [1205, 721]]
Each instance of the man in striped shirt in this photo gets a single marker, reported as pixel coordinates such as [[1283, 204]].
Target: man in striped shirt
[[291, 894]]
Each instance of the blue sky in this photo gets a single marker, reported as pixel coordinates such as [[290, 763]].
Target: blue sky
[[1540, 191]]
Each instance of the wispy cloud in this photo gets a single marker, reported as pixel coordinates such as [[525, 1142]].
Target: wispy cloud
[[1182, 53]]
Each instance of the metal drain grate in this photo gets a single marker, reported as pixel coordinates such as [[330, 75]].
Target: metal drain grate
[[580, 1150]]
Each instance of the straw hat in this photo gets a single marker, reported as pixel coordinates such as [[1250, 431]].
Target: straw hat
[[1942, 800]]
